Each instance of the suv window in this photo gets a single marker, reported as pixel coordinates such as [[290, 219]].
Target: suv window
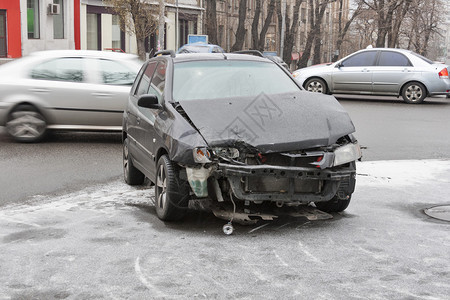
[[390, 58], [61, 69], [144, 83], [363, 59], [158, 81], [115, 73]]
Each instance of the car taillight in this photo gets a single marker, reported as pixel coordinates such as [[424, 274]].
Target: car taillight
[[443, 74]]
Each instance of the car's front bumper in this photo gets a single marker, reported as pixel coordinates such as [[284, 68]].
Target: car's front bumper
[[288, 184]]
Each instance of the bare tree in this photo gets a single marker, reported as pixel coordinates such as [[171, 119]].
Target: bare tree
[[137, 18], [240, 32], [258, 40], [343, 28], [291, 28], [211, 21], [316, 13]]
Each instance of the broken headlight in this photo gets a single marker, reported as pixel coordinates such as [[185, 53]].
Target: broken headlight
[[226, 152], [201, 155], [346, 154]]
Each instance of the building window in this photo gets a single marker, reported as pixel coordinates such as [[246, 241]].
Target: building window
[[33, 19], [116, 33], [58, 21], [3, 52], [93, 31], [187, 26]]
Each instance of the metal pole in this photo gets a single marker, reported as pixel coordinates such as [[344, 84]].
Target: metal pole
[[177, 42], [283, 27]]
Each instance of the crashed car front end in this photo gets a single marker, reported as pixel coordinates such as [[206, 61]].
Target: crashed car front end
[[296, 177]]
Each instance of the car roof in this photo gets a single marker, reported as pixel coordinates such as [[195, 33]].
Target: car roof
[[386, 49], [84, 53], [217, 56]]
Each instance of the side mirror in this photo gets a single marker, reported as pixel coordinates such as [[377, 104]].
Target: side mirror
[[148, 101], [339, 65]]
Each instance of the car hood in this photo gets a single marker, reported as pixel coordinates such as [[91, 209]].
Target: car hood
[[270, 123]]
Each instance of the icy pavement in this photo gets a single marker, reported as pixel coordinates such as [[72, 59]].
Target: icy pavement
[[105, 242]]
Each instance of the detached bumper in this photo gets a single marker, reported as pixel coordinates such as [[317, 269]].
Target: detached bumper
[[288, 184]]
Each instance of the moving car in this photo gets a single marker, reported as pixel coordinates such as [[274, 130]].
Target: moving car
[[65, 90], [200, 48], [379, 71], [235, 133]]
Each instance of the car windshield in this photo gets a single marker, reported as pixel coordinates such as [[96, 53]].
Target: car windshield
[[228, 78]]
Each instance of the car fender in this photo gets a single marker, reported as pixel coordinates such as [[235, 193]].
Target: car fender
[[14, 100]]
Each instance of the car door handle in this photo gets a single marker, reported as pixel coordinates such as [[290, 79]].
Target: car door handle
[[99, 94], [39, 90]]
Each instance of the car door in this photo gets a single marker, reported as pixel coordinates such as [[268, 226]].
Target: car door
[[148, 136], [61, 85], [392, 70], [112, 82], [354, 74], [135, 118]]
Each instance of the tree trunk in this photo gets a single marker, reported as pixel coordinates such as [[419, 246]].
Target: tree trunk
[[240, 32], [161, 23], [265, 28], [211, 21], [141, 49], [291, 32], [255, 25]]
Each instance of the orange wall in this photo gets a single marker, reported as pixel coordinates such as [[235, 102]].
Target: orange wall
[[13, 27]]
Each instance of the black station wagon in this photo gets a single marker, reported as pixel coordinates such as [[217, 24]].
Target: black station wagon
[[235, 134]]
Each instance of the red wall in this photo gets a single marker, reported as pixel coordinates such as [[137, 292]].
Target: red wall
[[13, 27], [77, 24]]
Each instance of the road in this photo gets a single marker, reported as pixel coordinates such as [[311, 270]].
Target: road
[[79, 232]]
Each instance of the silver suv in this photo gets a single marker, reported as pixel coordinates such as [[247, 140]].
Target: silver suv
[[379, 71]]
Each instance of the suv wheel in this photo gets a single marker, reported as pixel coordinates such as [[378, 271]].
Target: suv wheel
[[334, 205], [131, 175], [316, 85], [171, 194]]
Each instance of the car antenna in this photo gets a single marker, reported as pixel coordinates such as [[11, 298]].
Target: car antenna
[[224, 56]]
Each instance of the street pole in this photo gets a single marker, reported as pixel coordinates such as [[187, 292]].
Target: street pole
[[283, 27], [177, 42]]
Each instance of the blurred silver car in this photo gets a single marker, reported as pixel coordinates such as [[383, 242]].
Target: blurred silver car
[[379, 71], [65, 89]]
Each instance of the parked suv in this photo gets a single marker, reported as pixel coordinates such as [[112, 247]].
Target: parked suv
[[231, 132], [379, 71]]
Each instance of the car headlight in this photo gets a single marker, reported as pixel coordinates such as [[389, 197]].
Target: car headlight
[[346, 154], [226, 152], [201, 155]]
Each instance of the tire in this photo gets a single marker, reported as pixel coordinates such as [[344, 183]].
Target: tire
[[414, 93], [316, 85], [171, 193], [334, 205], [26, 124], [131, 175]]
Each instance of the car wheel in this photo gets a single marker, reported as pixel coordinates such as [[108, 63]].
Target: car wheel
[[171, 194], [316, 85], [334, 205], [414, 93], [131, 175], [26, 124]]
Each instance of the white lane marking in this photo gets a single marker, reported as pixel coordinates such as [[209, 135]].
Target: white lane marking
[[141, 277], [304, 250]]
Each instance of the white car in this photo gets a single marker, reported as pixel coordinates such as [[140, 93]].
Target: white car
[[379, 71], [66, 90]]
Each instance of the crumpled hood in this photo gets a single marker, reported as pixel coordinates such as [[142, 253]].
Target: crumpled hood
[[271, 123]]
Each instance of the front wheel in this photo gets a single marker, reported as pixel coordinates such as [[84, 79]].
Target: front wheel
[[171, 193], [333, 205], [316, 85], [26, 124], [414, 93]]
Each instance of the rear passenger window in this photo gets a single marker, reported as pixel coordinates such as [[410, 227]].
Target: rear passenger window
[[115, 73], [360, 60], [61, 69], [389, 59]]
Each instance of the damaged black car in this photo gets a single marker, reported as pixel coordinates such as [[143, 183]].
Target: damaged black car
[[235, 134]]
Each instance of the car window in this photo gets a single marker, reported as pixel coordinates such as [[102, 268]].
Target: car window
[[158, 81], [115, 73], [390, 58], [423, 58], [360, 60], [228, 78], [144, 82], [60, 69]]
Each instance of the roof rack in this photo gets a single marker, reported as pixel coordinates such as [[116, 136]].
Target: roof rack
[[251, 52], [165, 52]]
